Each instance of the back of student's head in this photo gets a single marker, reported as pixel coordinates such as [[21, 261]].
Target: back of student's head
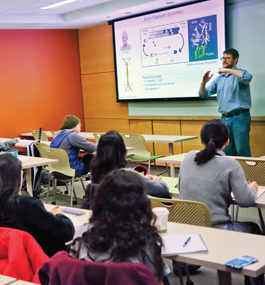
[[111, 152], [121, 198], [122, 222], [10, 174], [70, 121], [214, 135]]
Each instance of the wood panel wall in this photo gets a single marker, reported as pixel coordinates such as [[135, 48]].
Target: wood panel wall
[[102, 113]]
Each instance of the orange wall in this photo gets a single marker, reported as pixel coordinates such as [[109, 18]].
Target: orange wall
[[40, 80]]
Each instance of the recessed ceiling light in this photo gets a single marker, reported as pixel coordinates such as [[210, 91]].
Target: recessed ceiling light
[[168, 3], [127, 13], [108, 17], [59, 4]]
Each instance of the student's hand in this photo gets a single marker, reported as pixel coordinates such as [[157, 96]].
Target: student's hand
[[254, 185], [18, 139], [153, 177], [206, 77], [57, 210]]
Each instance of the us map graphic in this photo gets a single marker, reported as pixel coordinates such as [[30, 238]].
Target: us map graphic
[[185, 41]]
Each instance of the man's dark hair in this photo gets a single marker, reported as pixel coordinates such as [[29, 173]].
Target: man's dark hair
[[233, 52]]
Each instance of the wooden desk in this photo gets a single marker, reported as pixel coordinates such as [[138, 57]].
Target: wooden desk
[[6, 280], [23, 143], [28, 162], [171, 183], [149, 138], [222, 246], [172, 159], [83, 219]]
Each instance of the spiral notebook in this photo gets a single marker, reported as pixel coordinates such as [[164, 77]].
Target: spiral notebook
[[179, 244]]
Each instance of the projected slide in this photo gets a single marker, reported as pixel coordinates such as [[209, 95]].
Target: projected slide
[[164, 55]]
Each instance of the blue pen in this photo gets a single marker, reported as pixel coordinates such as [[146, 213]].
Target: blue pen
[[186, 242]]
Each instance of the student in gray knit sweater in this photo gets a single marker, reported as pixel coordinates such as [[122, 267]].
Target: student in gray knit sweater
[[210, 177]]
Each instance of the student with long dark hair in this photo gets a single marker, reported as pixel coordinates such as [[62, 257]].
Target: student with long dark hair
[[50, 229], [210, 177], [69, 139], [111, 152], [121, 228]]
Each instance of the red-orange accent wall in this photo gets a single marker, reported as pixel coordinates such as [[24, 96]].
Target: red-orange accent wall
[[40, 79]]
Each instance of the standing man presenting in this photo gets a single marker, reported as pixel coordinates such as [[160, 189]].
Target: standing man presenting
[[233, 95]]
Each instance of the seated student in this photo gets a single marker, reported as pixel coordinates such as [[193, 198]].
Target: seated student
[[210, 177], [68, 139], [8, 144], [50, 229], [111, 152], [122, 226]]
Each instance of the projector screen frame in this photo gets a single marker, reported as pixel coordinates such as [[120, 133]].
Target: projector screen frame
[[160, 99]]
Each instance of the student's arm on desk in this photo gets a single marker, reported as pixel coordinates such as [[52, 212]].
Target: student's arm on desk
[[57, 226], [245, 195], [8, 144]]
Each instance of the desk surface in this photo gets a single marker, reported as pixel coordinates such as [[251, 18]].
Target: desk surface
[[23, 143], [172, 182], [31, 161], [148, 138], [6, 279], [177, 158], [83, 219], [222, 246]]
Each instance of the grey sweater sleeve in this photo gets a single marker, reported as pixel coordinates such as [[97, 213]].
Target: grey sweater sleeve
[[245, 195], [81, 143], [8, 144], [157, 188]]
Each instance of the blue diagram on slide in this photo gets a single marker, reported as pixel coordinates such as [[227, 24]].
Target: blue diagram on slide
[[165, 44], [185, 41], [203, 38]]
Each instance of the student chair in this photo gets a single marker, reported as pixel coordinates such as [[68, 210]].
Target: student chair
[[35, 134], [139, 153], [97, 136], [53, 133], [62, 171], [184, 212], [254, 169]]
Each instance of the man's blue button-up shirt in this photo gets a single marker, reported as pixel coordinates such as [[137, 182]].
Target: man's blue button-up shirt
[[233, 93]]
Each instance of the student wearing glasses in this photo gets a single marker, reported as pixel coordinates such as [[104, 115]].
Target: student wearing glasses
[[68, 139], [233, 95]]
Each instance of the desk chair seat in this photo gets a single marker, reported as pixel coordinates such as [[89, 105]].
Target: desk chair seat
[[139, 153], [62, 171]]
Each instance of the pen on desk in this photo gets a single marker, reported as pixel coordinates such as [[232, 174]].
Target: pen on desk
[[162, 172], [176, 186], [186, 242]]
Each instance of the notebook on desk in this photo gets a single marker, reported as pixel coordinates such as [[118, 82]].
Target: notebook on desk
[[179, 244]]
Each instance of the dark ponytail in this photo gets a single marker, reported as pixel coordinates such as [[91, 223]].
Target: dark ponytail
[[214, 134]]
